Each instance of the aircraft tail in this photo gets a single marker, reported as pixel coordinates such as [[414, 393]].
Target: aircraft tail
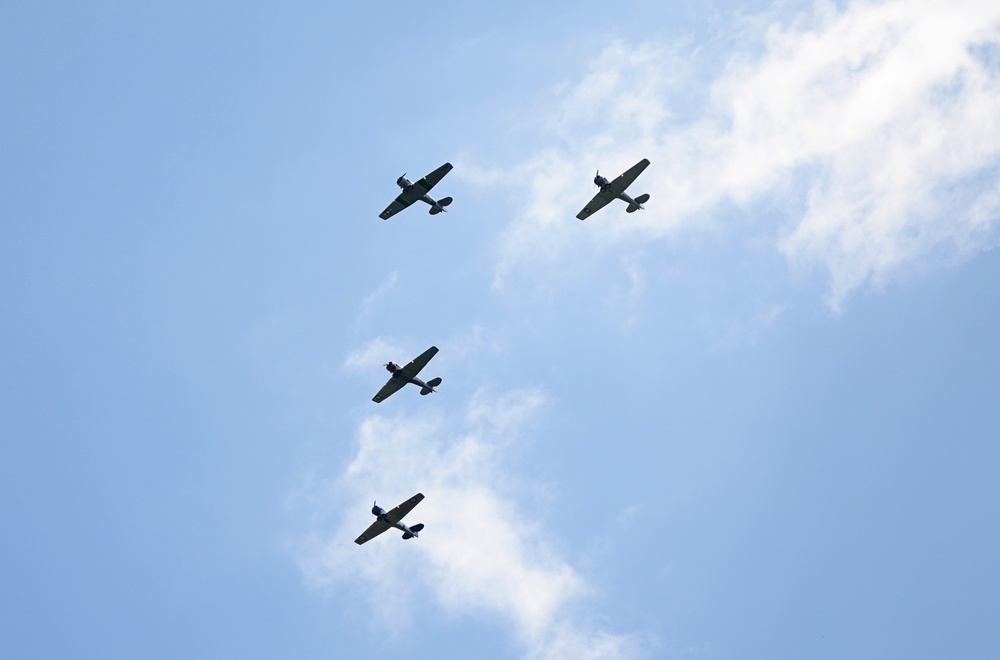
[[431, 384], [414, 531], [440, 206], [639, 201]]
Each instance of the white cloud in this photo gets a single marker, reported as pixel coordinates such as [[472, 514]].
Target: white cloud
[[876, 124], [477, 339], [478, 553]]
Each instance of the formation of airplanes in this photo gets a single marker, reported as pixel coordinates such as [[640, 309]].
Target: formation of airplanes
[[401, 376], [610, 191]]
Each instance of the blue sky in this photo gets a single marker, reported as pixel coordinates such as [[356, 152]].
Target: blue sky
[[757, 419]]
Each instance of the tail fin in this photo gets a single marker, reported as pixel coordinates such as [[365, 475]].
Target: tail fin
[[441, 203], [639, 201], [434, 382], [414, 531]]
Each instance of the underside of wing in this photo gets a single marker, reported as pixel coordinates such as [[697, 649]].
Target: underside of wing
[[397, 205], [431, 179], [388, 389], [373, 530], [419, 362], [397, 514], [625, 180], [600, 200]]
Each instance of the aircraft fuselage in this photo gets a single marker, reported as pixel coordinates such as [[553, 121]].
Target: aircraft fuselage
[[395, 370], [407, 187], [604, 184], [380, 513]]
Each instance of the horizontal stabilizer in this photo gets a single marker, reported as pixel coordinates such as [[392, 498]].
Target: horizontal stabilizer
[[424, 391], [407, 535], [642, 199], [434, 210], [444, 202], [632, 208], [434, 382], [416, 528]]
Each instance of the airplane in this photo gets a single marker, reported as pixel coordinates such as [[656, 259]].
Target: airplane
[[616, 190], [391, 519], [408, 374], [414, 191]]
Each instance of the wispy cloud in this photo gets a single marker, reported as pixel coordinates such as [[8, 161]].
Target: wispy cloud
[[479, 553], [374, 354], [875, 124], [385, 286]]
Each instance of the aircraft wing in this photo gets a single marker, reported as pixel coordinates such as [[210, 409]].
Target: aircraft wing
[[429, 181], [397, 514], [373, 530], [625, 180], [390, 388], [398, 204], [418, 363], [600, 200]]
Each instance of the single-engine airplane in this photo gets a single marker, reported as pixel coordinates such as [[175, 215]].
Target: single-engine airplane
[[408, 374], [418, 191], [616, 190], [388, 520]]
